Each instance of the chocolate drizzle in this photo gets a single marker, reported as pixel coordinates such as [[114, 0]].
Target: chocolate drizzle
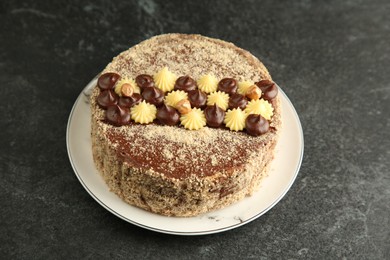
[[228, 85], [237, 100], [256, 125], [117, 115], [130, 101], [144, 80], [168, 115], [107, 98], [214, 115], [185, 83], [197, 98], [153, 95], [268, 88], [107, 80]]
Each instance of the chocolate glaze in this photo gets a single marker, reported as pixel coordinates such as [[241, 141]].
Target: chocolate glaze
[[197, 98], [144, 80], [185, 83], [268, 88], [117, 115], [256, 125], [153, 95], [168, 115], [107, 98], [130, 101], [214, 115], [228, 85], [237, 100], [107, 80]]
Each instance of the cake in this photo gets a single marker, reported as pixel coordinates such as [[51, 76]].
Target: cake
[[184, 124]]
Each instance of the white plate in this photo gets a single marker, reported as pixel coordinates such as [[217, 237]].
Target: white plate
[[284, 170]]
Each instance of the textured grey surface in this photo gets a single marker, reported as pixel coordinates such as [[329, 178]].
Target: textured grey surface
[[332, 60]]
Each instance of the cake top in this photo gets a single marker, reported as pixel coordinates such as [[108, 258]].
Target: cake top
[[175, 151], [193, 55]]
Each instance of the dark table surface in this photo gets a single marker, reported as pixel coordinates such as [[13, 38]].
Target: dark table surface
[[331, 59]]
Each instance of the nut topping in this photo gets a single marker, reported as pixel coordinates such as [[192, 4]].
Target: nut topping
[[253, 92], [127, 90], [184, 106]]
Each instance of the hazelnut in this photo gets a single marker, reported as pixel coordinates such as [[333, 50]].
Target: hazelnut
[[184, 106], [253, 92], [127, 90]]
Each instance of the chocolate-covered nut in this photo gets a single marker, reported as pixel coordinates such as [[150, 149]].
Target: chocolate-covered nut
[[185, 83], [228, 85], [130, 101], [268, 88], [153, 95], [144, 80], [108, 80], [214, 115], [197, 98], [107, 98], [237, 100], [168, 115], [117, 115], [256, 125]]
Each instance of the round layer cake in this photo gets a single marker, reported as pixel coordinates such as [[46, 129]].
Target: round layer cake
[[164, 164]]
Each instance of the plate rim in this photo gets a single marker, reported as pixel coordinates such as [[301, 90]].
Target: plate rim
[[189, 233]]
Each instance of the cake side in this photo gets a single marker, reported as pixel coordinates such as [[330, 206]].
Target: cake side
[[155, 192]]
